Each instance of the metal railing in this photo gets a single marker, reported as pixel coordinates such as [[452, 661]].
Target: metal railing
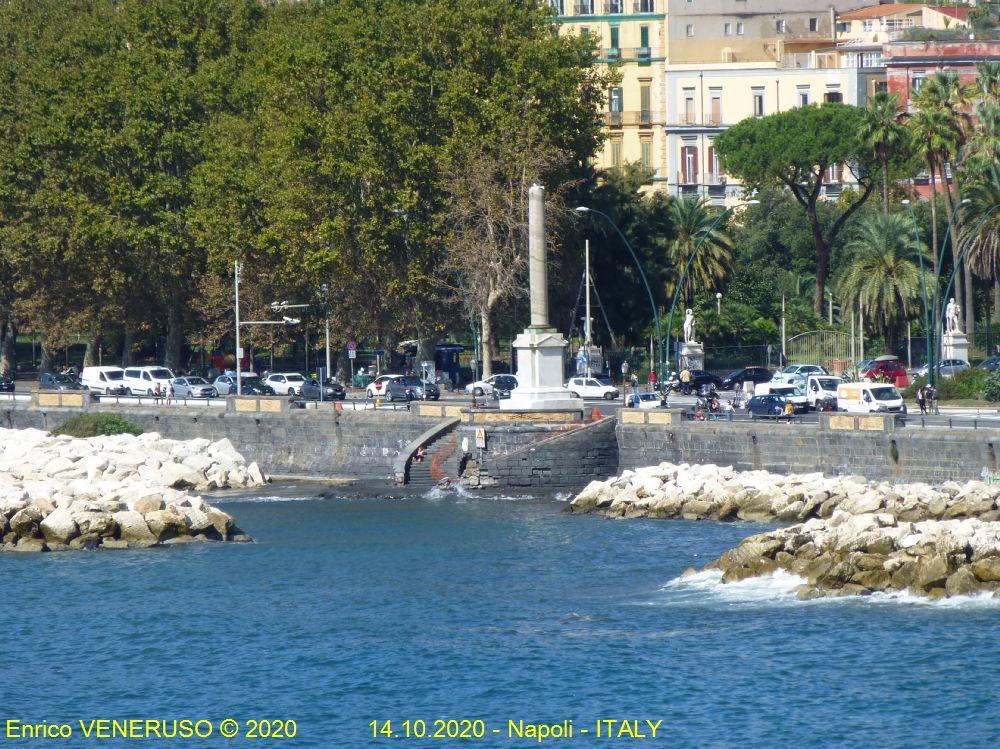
[[162, 400], [629, 54], [633, 117], [644, 6]]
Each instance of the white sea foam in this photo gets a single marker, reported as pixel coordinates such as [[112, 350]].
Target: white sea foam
[[779, 587], [264, 499], [455, 490]]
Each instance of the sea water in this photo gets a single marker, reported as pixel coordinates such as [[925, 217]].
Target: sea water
[[449, 607]]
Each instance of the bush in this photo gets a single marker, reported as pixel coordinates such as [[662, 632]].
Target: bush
[[96, 425], [991, 388], [969, 384]]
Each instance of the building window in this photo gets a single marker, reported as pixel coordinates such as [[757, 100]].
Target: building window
[[616, 153], [715, 103], [881, 87], [779, 26], [584, 31], [689, 30], [646, 153], [585, 7], [868, 25], [814, 24], [758, 102], [644, 37], [616, 6], [919, 76], [688, 118], [689, 165], [615, 36], [714, 175], [557, 5], [739, 28], [833, 96], [645, 6], [645, 110], [615, 99], [803, 97], [728, 29]]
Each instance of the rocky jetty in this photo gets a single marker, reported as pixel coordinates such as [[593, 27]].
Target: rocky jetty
[[849, 536], [114, 492]]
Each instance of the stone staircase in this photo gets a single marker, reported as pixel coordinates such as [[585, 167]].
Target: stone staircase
[[442, 461]]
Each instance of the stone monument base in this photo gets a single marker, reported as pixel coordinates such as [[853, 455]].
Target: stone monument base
[[540, 374], [692, 355], [955, 346]]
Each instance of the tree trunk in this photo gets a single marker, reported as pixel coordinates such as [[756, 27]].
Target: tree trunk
[[970, 307], [8, 339], [822, 270], [128, 340], [486, 345], [45, 364], [996, 300], [885, 186], [175, 334], [93, 342]]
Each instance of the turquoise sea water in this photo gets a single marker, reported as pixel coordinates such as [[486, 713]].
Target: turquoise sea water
[[349, 611]]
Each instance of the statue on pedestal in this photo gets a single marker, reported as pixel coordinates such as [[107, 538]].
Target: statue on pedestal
[[689, 327], [953, 313]]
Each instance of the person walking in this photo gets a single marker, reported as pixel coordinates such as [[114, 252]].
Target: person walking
[[922, 399], [652, 379], [933, 395], [686, 381]]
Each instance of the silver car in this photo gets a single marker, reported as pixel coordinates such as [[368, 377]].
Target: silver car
[[193, 387], [946, 368]]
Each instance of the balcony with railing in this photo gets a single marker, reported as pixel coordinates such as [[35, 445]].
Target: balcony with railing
[[686, 177], [644, 6], [603, 7], [632, 118], [630, 54], [613, 7], [585, 7]]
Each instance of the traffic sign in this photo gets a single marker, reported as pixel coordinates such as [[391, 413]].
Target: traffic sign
[[352, 354], [380, 352], [352, 345]]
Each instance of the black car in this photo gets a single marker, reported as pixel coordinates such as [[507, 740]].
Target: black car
[[736, 379], [502, 386], [766, 406], [6, 384], [49, 381], [420, 390], [699, 379], [332, 390]]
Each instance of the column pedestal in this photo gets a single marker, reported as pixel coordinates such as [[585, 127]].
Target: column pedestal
[[540, 373], [955, 346], [692, 355]]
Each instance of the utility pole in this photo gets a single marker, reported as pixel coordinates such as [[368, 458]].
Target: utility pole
[[783, 359], [237, 268], [326, 304], [586, 323]]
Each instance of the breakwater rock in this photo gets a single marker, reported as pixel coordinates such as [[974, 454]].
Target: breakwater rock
[[710, 492], [114, 492], [849, 536]]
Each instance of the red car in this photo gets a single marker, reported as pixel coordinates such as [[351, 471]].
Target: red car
[[886, 371]]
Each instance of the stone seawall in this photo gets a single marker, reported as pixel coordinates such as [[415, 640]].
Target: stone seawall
[[306, 443], [891, 453]]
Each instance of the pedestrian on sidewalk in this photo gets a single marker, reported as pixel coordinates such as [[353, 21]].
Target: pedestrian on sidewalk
[[933, 396], [922, 399]]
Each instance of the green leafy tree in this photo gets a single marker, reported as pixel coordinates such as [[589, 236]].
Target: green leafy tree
[[795, 149], [692, 220], [883, 277]]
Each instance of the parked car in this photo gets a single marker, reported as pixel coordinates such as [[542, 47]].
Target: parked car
[[766, 406], [590, 387], [947, 368], [869, 397], [249, 384], [379, 387], [788, 391], [643, 401], [332, 390], [49, 381], [990, 365], [793, 371], [735, 380], [702, 377], [143, 380], [193, 387], [485, 387], [888, 370], [503, 386], [107, 380], [422, 390], [285, 383], [6, 384]]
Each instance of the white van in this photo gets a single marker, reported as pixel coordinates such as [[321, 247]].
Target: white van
[[789, 392], [103, 379], [821, 387], [869, 397], [142, 380]]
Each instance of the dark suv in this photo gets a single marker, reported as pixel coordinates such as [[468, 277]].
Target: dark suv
[[50, 381], [332, 390], [736, 379]]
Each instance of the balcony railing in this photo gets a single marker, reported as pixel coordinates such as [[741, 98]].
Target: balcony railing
[[639, 117], [630, 54], [613, 7], [684, 178], [714, 178], [606, 7], [585, 8], [687, 118], [644, 6]]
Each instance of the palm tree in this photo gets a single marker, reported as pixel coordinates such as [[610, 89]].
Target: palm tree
[[692, 221], [932, 135], [882, 276], [988, 81], [983, 253], [884, 133]]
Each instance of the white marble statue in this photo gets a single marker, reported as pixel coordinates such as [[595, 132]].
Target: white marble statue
[[689, 327], [952, 315]]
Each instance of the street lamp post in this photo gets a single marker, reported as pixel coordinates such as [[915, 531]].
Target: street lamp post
[[923, 289], [935, 299], [237, 269], [687, 266], [718, 303], [642, 274]]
